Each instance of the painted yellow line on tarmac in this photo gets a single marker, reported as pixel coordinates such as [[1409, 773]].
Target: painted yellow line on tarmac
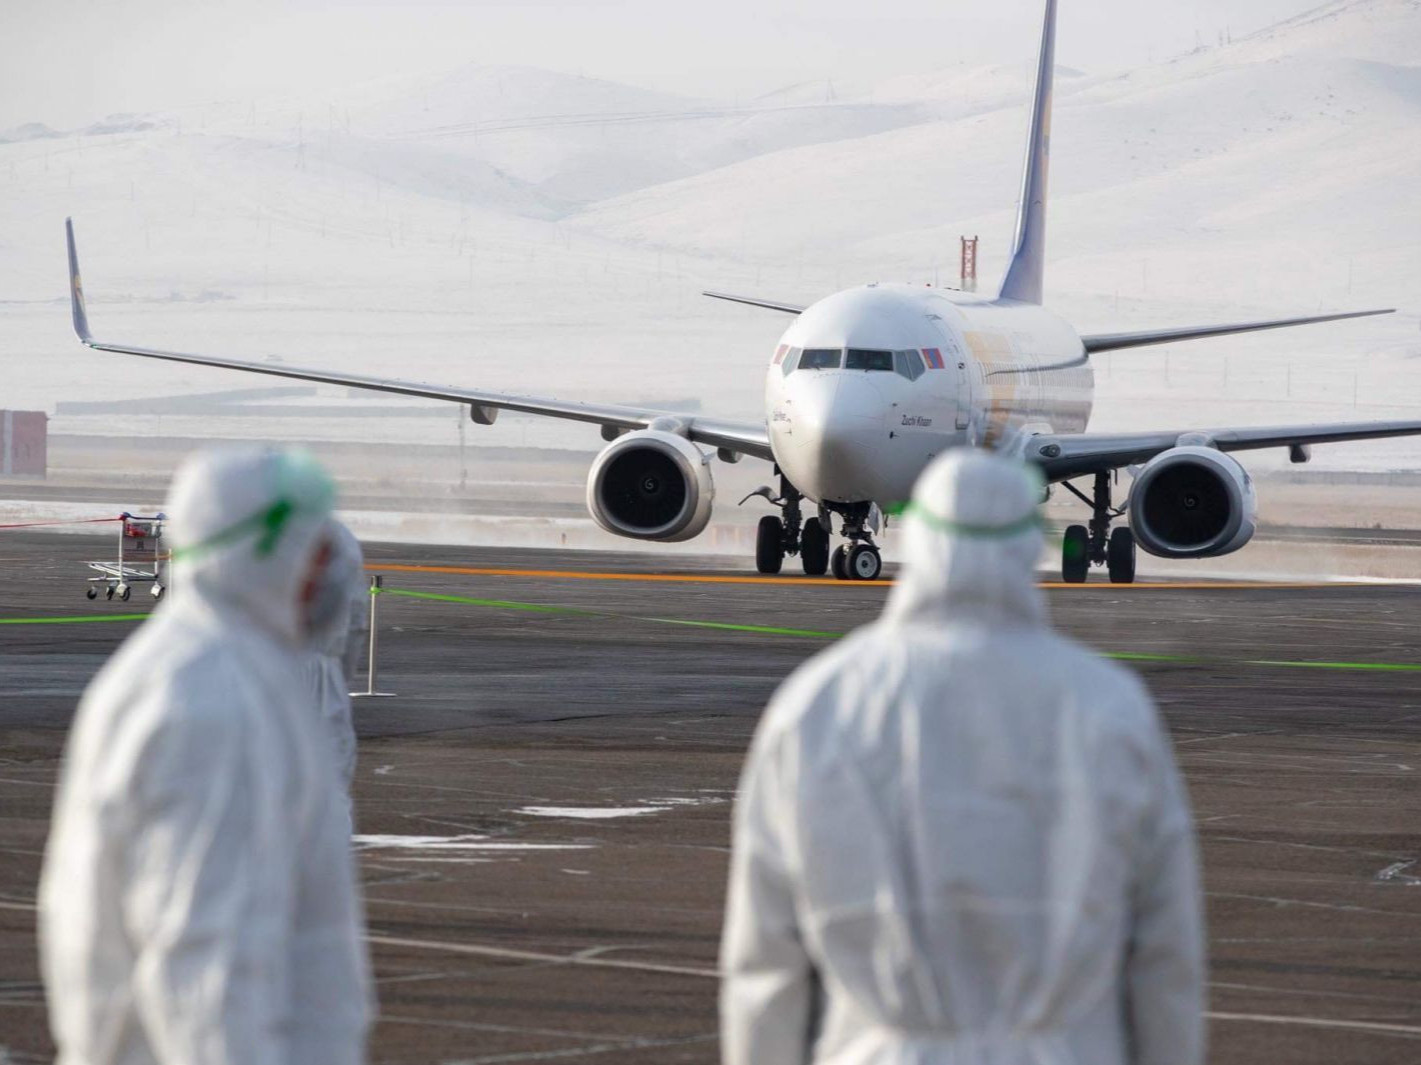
[[723, 578]]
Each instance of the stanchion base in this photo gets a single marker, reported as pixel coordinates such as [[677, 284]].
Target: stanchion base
[[372, 695]]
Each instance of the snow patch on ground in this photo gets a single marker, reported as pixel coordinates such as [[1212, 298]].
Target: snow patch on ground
[[468, 843], [606, 813]]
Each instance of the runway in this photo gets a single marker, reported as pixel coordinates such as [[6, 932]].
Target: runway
[[543, 805]]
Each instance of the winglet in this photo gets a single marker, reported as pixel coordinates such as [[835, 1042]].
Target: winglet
[[76, 288], [1024, 276]]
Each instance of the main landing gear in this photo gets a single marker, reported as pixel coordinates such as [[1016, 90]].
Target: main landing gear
[[792, 534], [1098, 544]]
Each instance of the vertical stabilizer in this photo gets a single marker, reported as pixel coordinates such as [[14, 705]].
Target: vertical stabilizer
[[1024, 274]]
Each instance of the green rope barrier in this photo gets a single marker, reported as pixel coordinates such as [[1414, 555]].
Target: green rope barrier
[[821, 634]]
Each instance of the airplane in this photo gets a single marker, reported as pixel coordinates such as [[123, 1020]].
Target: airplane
[[868, 385]]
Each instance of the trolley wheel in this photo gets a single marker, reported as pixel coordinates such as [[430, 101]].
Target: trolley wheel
[[125, 592], [156, 591], [108, 592], [91, 592]]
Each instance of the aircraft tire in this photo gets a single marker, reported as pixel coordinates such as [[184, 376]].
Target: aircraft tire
[[1120, 556], [838, 563], [1075, 554], [863, 563], [814, 548], [770, 544]]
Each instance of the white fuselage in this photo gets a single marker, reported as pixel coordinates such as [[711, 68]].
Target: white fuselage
[[966, 370]]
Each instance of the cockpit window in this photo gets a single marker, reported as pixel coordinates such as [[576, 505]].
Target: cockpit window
[[863, 359], [908, 364], [820, 359], [790, 362]]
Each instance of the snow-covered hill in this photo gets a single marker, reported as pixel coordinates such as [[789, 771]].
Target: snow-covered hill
[[543, 232]]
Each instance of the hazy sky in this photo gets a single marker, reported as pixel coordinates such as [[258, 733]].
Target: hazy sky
[[69, 62]]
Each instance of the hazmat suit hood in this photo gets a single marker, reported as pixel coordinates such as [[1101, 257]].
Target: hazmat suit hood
[[971, 538], [342, 590], [246, 525]]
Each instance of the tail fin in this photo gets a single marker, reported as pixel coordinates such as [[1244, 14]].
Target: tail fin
[[1023, 280]]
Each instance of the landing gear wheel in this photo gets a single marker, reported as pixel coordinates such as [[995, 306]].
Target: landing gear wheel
[[814, 548], [91, 593], [1075, 554], [125, 592], [770, 544], [838, 562], [1120, 556], [864, 563]]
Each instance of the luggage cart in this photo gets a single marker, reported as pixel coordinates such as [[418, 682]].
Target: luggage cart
[[141, 559]]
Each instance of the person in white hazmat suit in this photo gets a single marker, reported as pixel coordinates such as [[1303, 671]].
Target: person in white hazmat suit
[[198, 902], [336, 644], [959, 836]]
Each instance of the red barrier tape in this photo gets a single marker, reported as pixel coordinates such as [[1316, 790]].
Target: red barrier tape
[[75, 521]]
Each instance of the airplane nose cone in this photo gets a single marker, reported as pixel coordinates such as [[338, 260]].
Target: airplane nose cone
[[837, 434]]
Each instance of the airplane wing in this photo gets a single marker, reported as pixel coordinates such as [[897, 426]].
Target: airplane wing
[[1062, 457], [1114, 341], [740, 437], [753, 301]]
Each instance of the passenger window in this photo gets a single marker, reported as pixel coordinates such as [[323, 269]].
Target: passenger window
[[908, 364], [790, 362], [863, 359], [820, 359]]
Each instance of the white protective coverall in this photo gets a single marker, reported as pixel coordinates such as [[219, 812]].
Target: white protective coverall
[[198, 904], [961, 837], [336, 642]]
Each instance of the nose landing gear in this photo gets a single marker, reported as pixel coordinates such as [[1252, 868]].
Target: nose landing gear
[[857, 560], [1098, 545]]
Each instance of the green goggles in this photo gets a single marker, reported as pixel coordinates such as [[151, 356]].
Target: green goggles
[[304, 488], [917, 510]]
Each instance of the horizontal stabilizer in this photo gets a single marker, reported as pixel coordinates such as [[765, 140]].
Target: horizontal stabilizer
[[1114, 341], [769, 305]]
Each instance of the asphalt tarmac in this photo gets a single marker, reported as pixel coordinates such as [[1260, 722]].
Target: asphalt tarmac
[[543, 803]]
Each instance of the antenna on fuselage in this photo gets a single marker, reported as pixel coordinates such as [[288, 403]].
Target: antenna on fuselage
[[1023, 280]]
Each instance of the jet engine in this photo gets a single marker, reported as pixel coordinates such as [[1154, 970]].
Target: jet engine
[[1192, 502], [651, 485]]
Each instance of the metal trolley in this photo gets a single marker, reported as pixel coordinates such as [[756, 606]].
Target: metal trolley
[[141, 559]]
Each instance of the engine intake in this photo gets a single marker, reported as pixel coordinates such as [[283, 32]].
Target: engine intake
[[1192, 502], [651, 485]]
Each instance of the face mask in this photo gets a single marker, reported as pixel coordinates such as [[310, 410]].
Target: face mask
[[328, 600]]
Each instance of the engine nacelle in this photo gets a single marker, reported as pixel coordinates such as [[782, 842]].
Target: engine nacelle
[[1192, 502], [651, 485]]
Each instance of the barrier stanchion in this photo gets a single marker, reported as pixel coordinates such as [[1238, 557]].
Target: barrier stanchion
[[377, 585]]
